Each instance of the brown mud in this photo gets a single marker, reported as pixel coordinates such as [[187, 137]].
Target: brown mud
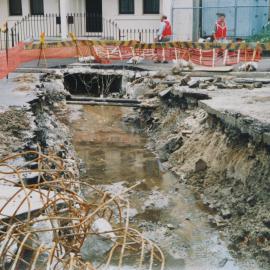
[[114, 154]]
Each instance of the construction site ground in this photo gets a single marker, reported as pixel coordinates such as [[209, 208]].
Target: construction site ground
[[236, 135]]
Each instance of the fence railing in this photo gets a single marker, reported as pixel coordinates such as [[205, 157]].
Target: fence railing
[[83, 25], [31, 26], [4, 40]]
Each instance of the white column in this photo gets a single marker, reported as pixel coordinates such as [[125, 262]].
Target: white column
[[63, 14]]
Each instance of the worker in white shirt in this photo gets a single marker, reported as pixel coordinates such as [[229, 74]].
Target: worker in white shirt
[[165, 30]]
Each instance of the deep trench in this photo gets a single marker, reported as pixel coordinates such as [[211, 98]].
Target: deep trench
[[92, 84], [115, 154]]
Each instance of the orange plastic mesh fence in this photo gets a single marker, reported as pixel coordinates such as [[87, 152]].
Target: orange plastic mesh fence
[[104, 53]]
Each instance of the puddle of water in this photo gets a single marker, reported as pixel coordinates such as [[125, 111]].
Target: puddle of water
[[115, 155]]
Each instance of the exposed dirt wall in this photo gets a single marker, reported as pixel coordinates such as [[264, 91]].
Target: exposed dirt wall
[[230, 172]]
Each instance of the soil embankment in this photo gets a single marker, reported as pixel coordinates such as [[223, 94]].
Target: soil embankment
[[227, 166]]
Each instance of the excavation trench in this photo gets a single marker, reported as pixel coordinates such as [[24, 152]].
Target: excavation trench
[[115, 156]]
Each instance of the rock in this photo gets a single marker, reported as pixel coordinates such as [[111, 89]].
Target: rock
[[217, 80], [203, 85], [231, 86], [87, 59], [169, 147], [134, 91], [95, 247], [45, 238], [160, 74], [249, 86], [249, 67], [194, 83], [135, 60], [212, 88], [170, 78], [240, 209], [150, 94], [176, 70], [223, 262], [165, 93], [200, 166], [156, 200], [258, 85], [252, 200], [185, 80], [101, 225], [170, 226], [217, 221], [226, 214], [186, 132], [266, 222], [221, 85], [152, 84], [183, 64]]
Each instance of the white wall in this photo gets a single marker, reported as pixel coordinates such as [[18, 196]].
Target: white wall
[[133, 21], [183, 20], [50, 6], [110, 11]]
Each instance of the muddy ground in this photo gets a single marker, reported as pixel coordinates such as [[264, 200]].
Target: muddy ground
[[230, 172]]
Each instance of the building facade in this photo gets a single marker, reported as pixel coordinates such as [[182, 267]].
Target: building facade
[[130, 19], [127, 14]]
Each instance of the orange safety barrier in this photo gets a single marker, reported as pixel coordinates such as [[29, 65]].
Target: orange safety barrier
[[107, 52]]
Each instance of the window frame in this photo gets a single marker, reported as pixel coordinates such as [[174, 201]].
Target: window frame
[[151, 12], [36, 13], [126, 13], [20, 13]]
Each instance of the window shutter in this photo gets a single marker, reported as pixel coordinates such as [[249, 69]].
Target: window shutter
[[37, 7], [151, 6], [126, 6], [15, 7]]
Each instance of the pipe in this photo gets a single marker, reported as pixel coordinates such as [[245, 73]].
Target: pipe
[[95, 103]]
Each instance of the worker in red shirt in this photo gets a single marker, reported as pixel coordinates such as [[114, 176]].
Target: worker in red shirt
[[221, 28], [165, 30]]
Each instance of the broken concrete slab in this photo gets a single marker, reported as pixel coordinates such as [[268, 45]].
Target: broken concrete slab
[[15, 201], [247, 111], [17, 90]]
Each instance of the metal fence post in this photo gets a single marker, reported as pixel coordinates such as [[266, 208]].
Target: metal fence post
[[12, 37], [7, 45]]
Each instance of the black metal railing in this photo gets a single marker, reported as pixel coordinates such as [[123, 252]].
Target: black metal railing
[[143, 35], [3, 40], [83, 25], [31, 26]]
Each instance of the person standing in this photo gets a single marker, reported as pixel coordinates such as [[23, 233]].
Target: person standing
[[221, 28], [165, 30]]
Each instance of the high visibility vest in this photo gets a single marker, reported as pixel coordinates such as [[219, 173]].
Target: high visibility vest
[[221, 30], [167, 30]]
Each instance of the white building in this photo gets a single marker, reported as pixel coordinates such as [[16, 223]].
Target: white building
[[35, 16]]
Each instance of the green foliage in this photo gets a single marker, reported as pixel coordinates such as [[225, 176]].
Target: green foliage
[[263, 36]]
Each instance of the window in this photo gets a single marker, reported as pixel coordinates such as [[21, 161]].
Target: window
[[126, 6], [37, 7], [151, 6], [15, 7]]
